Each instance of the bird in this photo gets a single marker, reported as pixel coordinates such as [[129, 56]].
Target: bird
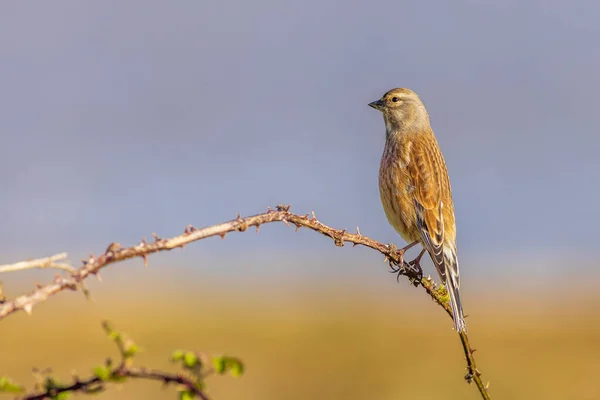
[[415, 189]]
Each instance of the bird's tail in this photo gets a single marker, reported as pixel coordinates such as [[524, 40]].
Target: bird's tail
[[452, 286], [457, 311]]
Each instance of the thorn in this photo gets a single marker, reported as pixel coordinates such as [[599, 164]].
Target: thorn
[[98, 276], [143, 242], [269, 209], [145, 257], [314, 217], [28, 308], [354, 244], [222, 235], [297, 228], [285, 222], [155, 236], [472, 350], [487, 385], [257, 228], [113, 247], [284, 208], [85, 291], [358, 231], [477, 372], [386, 259], [338, 238], [243, 224]]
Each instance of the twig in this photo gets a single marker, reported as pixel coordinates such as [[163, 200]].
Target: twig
[[92, 384], [190, 382], [45, 262], [281, 214]]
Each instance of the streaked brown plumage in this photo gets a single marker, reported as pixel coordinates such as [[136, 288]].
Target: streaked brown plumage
[[415, 188]]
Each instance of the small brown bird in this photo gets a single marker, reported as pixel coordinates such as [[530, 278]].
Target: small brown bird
[[415, 188]]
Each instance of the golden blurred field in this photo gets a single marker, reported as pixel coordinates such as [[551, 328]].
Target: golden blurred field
[[340, 339]]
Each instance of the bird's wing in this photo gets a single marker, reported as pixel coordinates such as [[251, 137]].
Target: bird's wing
[[431, 190], [430, 179]]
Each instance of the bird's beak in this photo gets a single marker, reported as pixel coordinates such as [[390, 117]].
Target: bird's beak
[[378, 105]]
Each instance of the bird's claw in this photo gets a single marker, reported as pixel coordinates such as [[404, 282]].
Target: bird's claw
[[416, 272], [411, 269]]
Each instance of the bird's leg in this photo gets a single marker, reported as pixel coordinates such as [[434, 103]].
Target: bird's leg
[[415, 266], [400, 255]]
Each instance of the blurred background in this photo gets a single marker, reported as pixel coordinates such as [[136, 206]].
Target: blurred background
[[119, 119]]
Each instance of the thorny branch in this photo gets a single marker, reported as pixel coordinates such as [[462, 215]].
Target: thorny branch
[[115, 253]]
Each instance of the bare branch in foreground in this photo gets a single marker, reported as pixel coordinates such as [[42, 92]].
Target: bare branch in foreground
[[115, 253]]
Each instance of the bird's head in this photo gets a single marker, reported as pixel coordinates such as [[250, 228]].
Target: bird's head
[[402, 110]]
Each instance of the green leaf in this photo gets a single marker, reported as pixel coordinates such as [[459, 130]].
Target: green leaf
[[102, 373], [177, 355], [62, 396], [186, 395], [8, 386], [219, 364], [131, 351], [235, 366], [190, 359], [226, 364]]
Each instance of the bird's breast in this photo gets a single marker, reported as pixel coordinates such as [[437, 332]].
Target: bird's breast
[[396, 190]]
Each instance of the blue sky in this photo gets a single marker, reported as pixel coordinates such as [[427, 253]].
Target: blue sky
[[119, 119]]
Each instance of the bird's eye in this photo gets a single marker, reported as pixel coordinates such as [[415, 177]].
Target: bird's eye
[[395, 99]]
